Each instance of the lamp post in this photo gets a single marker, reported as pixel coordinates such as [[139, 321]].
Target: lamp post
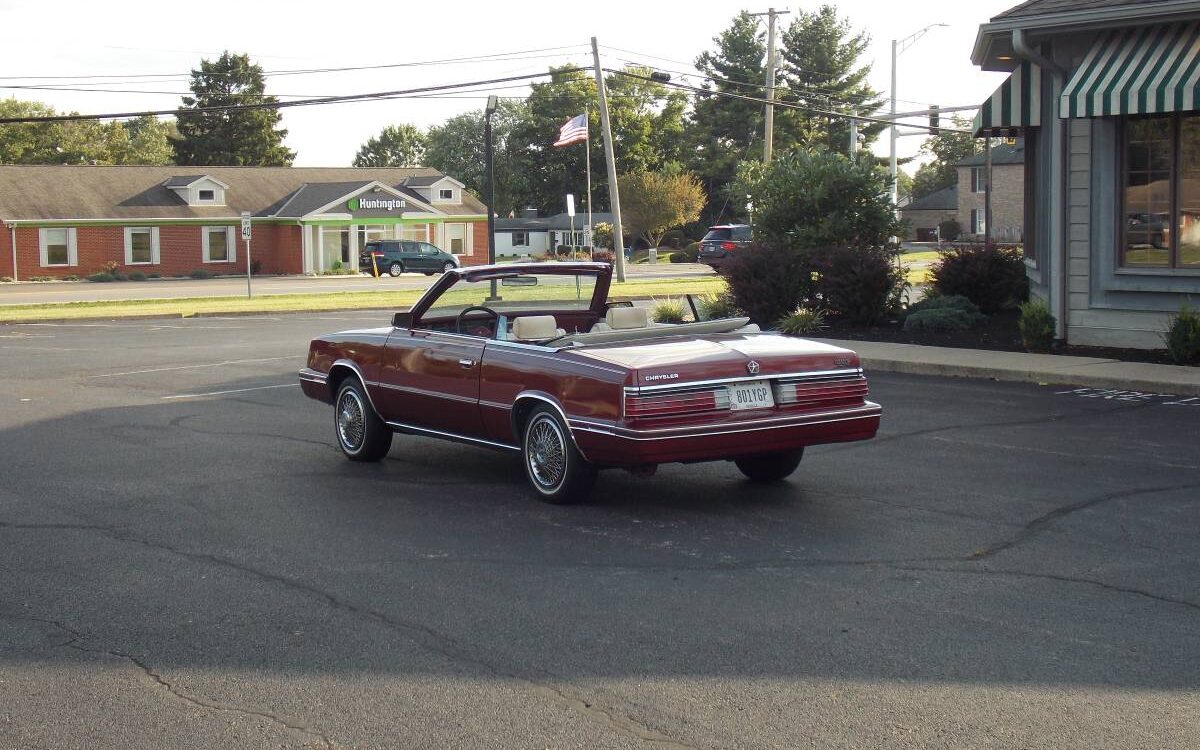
[[898, 48], [488, 111]]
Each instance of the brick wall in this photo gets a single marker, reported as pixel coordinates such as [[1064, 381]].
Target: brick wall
[[1008, 201], [479, 245], [6, 268]]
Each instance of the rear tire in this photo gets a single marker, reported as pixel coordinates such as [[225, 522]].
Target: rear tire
[[395, 270], [447, 267], [361, 434], [769, 467], [556, 471]]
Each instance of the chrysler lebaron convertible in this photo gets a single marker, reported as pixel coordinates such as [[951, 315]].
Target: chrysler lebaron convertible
[[534, 358]]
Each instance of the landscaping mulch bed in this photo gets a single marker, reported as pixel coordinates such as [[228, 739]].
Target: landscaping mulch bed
[[998, 333]]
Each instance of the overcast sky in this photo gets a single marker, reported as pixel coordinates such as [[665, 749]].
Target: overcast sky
[[79, 40]]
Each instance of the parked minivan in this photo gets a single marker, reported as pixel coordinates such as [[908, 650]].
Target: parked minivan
[[722, 242], [394, 257]]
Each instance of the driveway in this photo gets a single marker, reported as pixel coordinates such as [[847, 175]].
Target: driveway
[[187, 561]]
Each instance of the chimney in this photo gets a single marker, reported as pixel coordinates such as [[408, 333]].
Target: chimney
[[529, 213]]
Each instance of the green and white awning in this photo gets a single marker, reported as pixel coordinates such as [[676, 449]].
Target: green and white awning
[[1137, 71], [1016, 105]]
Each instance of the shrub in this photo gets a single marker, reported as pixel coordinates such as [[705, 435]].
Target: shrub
[[1182, 336], [1036, 325], [802, 321], [120, 276], [939, 319], [951, 302], [769, 281], [111, 267], [717, 306], [603, 256], [137, 276], [101, 276], [669, 311], [201, 273], [689, 254], [70, 277], [255, 267], [6, 280], [860, 285], [949, 230], [154, 275], [337, 266], [602, 235], [994, 279]]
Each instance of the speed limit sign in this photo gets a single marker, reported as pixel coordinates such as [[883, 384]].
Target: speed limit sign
[[245, 225]]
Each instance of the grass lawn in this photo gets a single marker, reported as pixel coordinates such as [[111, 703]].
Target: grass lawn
[[189, 306]]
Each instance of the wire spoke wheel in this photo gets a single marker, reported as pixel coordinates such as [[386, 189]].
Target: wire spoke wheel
[[351, 421], [546, 453]]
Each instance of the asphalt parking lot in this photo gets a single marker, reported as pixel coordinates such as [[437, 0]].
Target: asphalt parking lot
[[186, 561]]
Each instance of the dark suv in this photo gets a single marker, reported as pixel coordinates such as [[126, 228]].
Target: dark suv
[[397, 256], [722, 241]]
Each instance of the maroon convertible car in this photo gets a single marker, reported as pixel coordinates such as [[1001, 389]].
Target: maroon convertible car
[[533, 358]]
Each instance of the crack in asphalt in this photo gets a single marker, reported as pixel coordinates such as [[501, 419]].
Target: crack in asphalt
[[179, 422]]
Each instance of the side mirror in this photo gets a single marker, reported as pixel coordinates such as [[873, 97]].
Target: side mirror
[[402, 320]]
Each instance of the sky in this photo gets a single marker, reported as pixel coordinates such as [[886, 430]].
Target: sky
[[69, 43]]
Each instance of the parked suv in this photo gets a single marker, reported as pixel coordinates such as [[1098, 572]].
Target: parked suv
[[722, 241], [397, 256]]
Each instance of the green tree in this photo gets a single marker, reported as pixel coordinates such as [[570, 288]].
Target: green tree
[[723, 131], [396, 146], [947, 150], [144, 140], [821, 69], [456, 148], [653, 202], [249, 137]]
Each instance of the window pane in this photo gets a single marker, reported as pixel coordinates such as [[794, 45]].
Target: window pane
[[139, 242], [1187, 224], [456, 235], [217, 247], [1147, 192]]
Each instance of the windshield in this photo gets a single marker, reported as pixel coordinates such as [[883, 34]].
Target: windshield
[[519, 292]]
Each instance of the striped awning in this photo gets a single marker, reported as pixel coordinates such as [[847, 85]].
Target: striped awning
[[1016, 105], [1137, 71]]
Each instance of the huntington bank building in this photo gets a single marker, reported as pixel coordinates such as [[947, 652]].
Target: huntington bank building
[[72, 221]]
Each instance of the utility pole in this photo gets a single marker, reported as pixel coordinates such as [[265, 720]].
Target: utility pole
[[898, 46], [614, 195], [769, 126]]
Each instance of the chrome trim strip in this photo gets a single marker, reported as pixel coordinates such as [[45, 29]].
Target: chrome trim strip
[[637, 390], [554, 404], [869, 409], [602, 368], [403, 427], [431, 394], [313, 376], [361, 378]]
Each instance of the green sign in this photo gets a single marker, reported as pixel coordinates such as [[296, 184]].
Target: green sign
[[378, 204]]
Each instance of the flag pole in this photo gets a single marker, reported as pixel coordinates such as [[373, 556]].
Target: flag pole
[[587, 160]]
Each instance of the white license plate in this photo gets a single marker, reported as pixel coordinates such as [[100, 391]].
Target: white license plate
[[753, 395]]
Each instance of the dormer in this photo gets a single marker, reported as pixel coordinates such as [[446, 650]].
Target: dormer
[[198, 189]]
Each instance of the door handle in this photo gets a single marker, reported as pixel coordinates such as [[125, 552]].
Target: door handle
[[468, 363]]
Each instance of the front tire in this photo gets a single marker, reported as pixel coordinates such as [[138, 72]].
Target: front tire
[[395, 270], [361, 434], [769, 467], [556, 471], [447, 267]]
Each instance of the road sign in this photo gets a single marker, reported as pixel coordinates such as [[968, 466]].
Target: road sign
[[570, 205], [245, 225]]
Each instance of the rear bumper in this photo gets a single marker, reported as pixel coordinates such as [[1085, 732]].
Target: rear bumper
[[610, 445], [315, 385]]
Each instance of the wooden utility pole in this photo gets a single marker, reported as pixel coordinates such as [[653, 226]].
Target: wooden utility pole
[[614, 196], [769, 125]]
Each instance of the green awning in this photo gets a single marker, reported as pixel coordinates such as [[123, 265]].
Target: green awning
[[1137, 71], [1016, 105]]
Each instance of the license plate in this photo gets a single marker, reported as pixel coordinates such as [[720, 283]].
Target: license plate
[[753, 395]]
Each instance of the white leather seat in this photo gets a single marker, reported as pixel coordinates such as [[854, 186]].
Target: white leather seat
[[536, 328], [623, 319]]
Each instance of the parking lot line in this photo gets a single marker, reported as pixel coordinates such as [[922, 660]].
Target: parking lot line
[[235, 390], [196, 367]]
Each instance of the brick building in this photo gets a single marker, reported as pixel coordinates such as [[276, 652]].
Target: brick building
[[71, 220], [1008, 192]]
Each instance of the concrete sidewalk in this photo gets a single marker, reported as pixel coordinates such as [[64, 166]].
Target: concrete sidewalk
[[1026, 368]]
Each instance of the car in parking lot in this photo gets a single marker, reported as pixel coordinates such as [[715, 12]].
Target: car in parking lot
[[722, 242], [395, 257], [533, 358]]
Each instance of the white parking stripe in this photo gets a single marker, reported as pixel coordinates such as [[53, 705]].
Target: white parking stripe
[[222, 393], [196, 367]]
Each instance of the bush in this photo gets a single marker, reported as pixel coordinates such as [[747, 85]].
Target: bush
[[689, 254], [603, 256], [154, 275], [6, 280], [101, 276], [1036, 325], [860, 285], [70, 277], [1182, 336], [255, 267], [949, 230], [602, 235], [669, 311], [120, 276], [769, 281], [201, 273], [717, 306], [939, 319], [111, 267], [137, 276], [802, 321], [952, 302], [994, 279]]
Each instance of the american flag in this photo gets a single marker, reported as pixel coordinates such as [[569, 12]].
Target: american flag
[[573, 131]]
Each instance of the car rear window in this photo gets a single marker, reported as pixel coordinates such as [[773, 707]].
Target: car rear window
[[741, 233], [721, 234]]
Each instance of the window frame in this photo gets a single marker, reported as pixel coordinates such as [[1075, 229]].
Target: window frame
[[44, 246], [978, 180], [230, 244], [1173, 265], [524, 235], [212, 198], [446, 194], [154, 249]]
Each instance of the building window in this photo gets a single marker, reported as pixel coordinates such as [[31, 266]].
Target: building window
[[206, 196], [456, 238], [978, 179], [978, 225], [520, 239], [141, 245], [58, 246], [218, 244], [1161, 193], [446, 194]]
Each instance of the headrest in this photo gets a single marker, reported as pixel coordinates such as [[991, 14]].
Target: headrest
[[535, 327], [623, 318]]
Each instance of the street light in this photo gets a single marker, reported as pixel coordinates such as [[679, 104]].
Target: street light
[[898, 48], [488, 111]]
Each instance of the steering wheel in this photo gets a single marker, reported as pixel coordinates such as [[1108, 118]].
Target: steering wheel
[[458, 322]]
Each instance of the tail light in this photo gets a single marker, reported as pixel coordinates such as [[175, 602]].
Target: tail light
[[827, 393], [727, 246], [674, 404]]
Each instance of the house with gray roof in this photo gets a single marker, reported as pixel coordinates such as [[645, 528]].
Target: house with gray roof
[[73, 220], [1107, 96], [530, 234]]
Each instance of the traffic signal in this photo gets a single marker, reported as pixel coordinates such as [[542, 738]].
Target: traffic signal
[[935, 119]]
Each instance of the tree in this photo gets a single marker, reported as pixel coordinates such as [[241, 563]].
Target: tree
[[144, 140], [947, 150], [723, 131], [821, 70], [812, 199], [456, 148], [395, 146], [248, 137], [653, 202]]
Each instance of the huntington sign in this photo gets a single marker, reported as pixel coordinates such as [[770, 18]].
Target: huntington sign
[[384, 204]]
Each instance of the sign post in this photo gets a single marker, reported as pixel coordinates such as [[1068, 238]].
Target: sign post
[[246, 237], [571, 213]]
